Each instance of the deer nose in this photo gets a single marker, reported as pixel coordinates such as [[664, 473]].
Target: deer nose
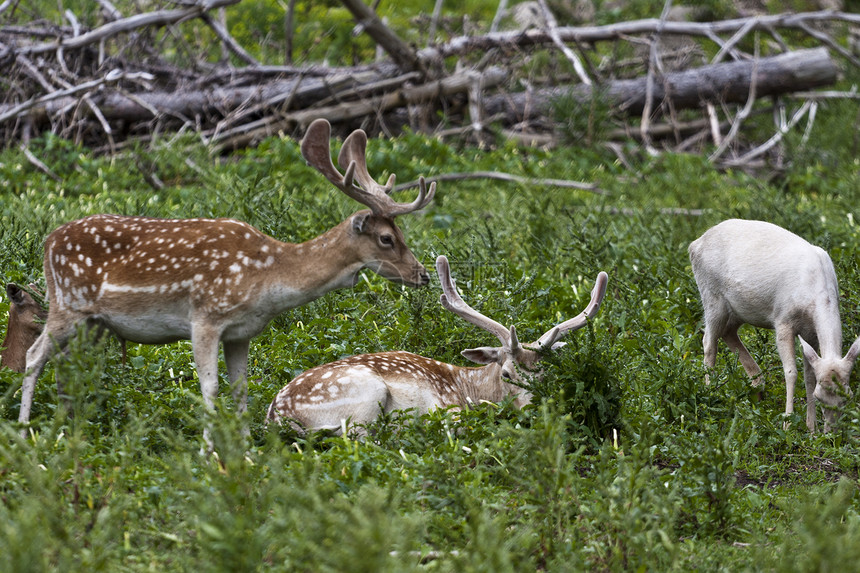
[[423, 277]]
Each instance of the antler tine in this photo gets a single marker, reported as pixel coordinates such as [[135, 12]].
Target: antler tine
[[423, 199], [354, 149], [452, 301], [316, 151], [374, 195], [597, 293]]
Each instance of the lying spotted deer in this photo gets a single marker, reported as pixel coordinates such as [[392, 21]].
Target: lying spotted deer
[[24, 326], [212, 281], [358, 389]]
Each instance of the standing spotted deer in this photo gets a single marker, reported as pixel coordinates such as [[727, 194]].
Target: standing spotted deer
[[24, 326], [358, 388], [212, 281], [753, 272]]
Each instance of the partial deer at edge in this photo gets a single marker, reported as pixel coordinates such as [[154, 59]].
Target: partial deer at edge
[[357, 389], [212, 281], [23, 327]]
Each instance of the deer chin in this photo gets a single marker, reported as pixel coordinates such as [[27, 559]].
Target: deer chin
[[829, 397], [392, 274], [423, 280], [352, 279]]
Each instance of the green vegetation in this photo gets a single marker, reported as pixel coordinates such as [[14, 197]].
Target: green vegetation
[[627, 460]]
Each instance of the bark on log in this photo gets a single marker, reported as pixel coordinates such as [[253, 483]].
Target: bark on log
[[727, 82], [516, 40], [346, 111], [214, 102]]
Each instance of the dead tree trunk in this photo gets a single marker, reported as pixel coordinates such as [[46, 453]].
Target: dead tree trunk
[[728, 82]]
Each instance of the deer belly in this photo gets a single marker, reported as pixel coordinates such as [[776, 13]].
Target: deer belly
[[246, 329], [752, 312], [406, 393], [154, 329]]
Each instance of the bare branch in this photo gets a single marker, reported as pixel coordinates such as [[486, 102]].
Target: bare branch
[[552, 30], [517, 40], [742, 114], [158, 18], [776, 138], [39, 165], [228, 40], [592, 187], [653, 62]]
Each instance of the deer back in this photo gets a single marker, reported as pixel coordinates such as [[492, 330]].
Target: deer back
[[763, 274], [144, 276]]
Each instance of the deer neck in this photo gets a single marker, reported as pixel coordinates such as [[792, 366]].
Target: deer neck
[[14, 346], [322, 264], [481, 383], [825, 333]]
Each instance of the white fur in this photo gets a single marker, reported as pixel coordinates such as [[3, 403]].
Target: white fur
[[752, 272]]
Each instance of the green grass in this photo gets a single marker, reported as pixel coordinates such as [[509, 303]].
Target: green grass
[[626, 461]]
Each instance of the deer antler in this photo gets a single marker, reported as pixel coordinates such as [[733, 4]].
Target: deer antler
[[555, 333], [452, 301], [353, 159]]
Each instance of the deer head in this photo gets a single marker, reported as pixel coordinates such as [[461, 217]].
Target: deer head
[[26, 317], [379, 240], [512, 356]]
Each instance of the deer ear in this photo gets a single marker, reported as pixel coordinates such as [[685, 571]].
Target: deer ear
[[482, 355], [851, 356], [808, 352], [359, 221], [16, 295]]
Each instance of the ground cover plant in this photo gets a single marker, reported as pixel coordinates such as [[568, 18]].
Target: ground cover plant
[[625, 461]]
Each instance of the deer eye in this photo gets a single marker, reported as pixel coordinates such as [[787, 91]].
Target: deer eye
[[506, 375], [386, 240]]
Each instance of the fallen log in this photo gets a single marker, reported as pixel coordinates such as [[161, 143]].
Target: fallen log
[[129, 105], [60, 80], [345, 111], [517, 40], [718, 83]]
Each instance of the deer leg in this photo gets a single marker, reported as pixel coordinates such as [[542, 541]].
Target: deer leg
[[709, 344], [204, 343], [752, 369], [53, 339], [809, 382], [236, 357], [785, 347]]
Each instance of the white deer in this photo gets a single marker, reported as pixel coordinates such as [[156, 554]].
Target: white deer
[[359, 388], [212, 281], [752, 272]]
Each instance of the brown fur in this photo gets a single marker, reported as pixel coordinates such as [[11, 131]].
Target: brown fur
[[26, 317]]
